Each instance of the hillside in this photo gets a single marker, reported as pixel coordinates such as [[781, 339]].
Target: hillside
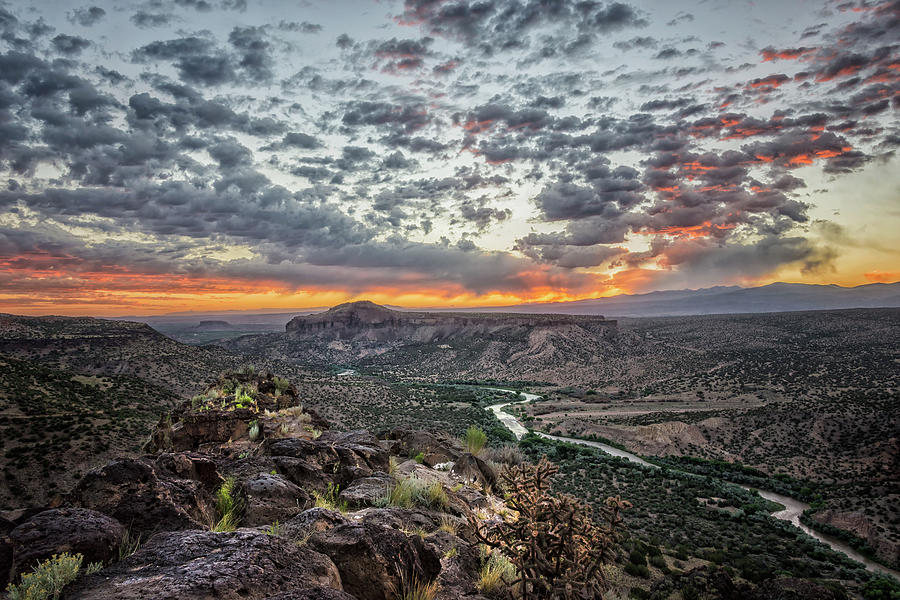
[[443, 345], [89, 346]]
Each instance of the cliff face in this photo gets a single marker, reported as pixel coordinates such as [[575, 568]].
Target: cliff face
[[366, 321], [534, 347]]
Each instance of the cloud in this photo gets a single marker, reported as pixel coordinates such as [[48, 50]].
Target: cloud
[[70, 44], [147, 20], [86, 16]]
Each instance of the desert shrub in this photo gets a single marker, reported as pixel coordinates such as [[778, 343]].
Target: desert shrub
[[330, 499], [48, 579], [637, 570], [507, 454], [552, 540], [228, 506], [281, 384], [497, 573], [412, 588], [475, 440], [881, 588], [412, 491]]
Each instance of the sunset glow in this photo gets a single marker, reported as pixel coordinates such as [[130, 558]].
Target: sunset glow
[[196, 156]]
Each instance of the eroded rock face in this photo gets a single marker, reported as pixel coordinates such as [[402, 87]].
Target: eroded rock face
[[437, 448], [367, 491], [269, 498], [471, 469], [146, 497], [204, 565], [371, 558], [316, 463], [312, 521], [72, 530]]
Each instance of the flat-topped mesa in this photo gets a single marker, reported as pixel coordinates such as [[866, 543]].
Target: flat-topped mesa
[[352, 318]]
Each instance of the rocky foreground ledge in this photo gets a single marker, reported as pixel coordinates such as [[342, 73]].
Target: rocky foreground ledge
[[314, 516]]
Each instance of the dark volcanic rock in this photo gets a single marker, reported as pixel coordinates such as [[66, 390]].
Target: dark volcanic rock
[[366, 491], [371, 558], [145, 497], [269, 498], [471, 469], [311, 521], [316, 463], [204, 565], [72, 530], [437, 447]]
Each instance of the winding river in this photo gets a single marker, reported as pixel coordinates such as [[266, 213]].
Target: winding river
[[792, 508]]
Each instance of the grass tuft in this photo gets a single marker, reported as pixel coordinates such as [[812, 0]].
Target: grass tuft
[[228, 506], [475, 440]]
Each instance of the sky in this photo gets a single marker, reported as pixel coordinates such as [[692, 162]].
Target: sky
[[172, 155]]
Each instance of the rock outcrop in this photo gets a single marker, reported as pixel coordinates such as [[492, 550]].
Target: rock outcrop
[[278, 544], [74, 530], [206, 565]]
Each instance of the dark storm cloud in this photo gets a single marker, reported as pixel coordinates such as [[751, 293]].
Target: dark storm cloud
[[500, 25], [86, 16], [70, 44], [297, 139], [198, 60], [407, 118], [636, 42], [147, 20], [198, 5], [255, 51], [304, 27]]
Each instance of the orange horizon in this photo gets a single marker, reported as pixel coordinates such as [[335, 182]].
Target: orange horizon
[[215, 297]]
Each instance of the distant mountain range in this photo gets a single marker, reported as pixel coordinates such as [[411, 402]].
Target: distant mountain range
[[776, 297]]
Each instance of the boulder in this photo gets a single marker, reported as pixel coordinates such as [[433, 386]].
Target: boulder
[[460, 572], [72, 530], [269, 498], [337, 460], [197, 428], [204, 565], [145, 497], [312, 521], [372, 558], [437, 447], [405, 519], [367, 491], [468, 468]]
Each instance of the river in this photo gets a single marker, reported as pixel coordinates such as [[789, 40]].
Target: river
[[792, 508]]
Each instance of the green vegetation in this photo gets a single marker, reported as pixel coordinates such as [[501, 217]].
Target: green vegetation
[[497, 572], [48, 579], [475, 440], [228, 506], [129, 545], [693, 515], [412, 588], [412, 491], [330, 499]]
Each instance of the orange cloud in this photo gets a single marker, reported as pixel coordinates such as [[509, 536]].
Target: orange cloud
[[882, 276]]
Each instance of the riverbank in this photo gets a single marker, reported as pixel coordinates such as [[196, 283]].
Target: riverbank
[[791, 513]]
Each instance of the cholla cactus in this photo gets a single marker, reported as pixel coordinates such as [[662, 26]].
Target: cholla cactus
[[555, 546]]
